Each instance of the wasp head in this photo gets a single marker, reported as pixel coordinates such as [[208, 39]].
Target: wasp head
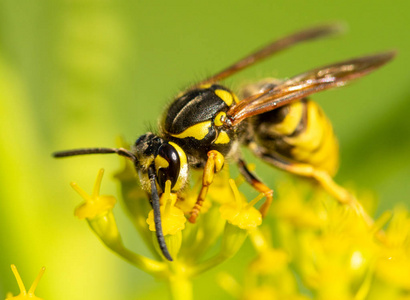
[[167, 158]]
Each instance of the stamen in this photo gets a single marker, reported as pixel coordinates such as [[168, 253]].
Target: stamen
[[380, 222], [18, 279], [256, 200], [97, 185], [237, 195], [81, 192], [167, 197], [36, 281]]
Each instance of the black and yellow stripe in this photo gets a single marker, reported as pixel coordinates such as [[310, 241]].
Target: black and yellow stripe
[[300, 132]]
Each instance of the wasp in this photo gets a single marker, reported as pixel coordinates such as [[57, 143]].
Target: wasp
[[205, 126]]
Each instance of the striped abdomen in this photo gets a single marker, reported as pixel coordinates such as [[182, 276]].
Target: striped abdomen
[[299, 131]]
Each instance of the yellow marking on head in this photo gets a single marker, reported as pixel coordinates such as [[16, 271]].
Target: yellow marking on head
[[161, 162], [225, 96], [205, 86], [218, 119], [183, 172], [223, 138], [197, 131]]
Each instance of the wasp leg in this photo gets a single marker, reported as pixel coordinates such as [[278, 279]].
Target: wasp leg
[[322, 177], [214, 164], [257, 185]]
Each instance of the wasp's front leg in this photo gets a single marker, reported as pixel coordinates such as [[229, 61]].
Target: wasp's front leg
[[214, 164]]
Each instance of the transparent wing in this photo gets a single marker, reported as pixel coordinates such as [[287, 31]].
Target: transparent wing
[[276, 46], [305, 84]]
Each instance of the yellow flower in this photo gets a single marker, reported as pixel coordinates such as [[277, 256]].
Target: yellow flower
[[98, 212], [94, 204], [241, 213], [220, 191], [270, 261], [293, 207], [172, 218], [393, 267]]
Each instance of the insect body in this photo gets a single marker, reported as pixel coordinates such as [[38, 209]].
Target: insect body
[[204, 126], [298, 132], [195, 121]]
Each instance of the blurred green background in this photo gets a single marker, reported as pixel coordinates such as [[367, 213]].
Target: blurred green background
[[79, 73]]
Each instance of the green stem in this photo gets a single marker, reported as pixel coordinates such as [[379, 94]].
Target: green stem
[[106, 229], [180, 287], [209, 264], [146, 264], [232, 241]]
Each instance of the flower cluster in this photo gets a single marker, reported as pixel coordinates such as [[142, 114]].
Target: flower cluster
[[323, 250], [310, 245], [226, 216]]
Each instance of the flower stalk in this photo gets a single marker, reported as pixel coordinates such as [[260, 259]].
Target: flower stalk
[[97, 210]]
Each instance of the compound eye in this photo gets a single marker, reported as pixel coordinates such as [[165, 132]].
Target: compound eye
[[167, 165]]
